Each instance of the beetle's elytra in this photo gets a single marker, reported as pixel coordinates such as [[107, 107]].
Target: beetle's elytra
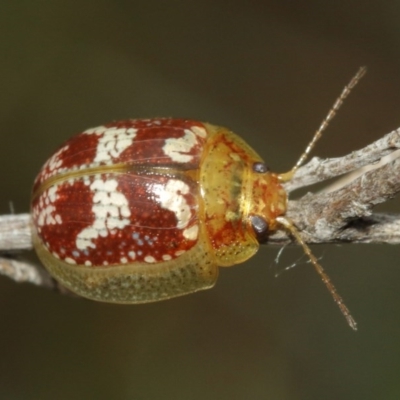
[[148, 209], [144, 210]]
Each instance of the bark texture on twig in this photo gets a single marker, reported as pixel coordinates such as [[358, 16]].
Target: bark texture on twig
[[318, 170], [15, 232], [341, 215], [23, 271], [345, 213]]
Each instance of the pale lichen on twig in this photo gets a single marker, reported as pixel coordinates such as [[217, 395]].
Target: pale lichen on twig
[[344, 214]]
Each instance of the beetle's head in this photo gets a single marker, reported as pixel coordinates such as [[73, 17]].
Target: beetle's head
[[268, 200]]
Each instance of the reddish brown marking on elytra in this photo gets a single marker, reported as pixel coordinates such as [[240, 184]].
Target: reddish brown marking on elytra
[[77, 151], [74, 206], [147, 147], [151, 229], [80, 150]]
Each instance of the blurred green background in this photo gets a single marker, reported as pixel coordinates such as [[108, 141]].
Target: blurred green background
[[269, 70]]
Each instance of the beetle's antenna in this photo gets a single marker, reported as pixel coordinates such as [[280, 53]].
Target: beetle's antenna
[[317, 135], [289, 225]]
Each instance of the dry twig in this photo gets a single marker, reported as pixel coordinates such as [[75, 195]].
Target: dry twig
[[342, 215]]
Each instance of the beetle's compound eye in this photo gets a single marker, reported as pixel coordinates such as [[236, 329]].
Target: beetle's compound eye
[[260, 168], [260, 226]]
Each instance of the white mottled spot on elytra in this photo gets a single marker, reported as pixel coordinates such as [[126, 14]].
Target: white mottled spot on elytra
[[103, 232], [110, 209], [166, 257], [125, 212], [132, 254], [171, 197], [44, 212], [55, 162], [149, 259], [180, 252], [191, 233], [53, 165], [175, 148], [88, 263], [113, 142], [201, 132], [124, 260], [83, 240], [69, 260], [98, 130], [45, 215]]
